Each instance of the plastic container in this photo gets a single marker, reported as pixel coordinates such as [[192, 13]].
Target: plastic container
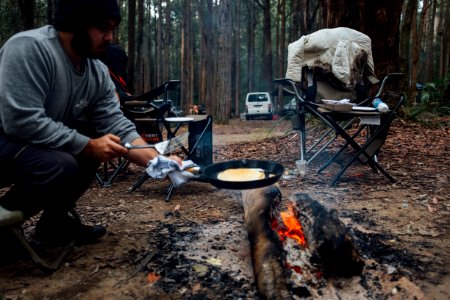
[[380, 105]]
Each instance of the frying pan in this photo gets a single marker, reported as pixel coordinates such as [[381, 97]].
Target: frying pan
[[272, 170]]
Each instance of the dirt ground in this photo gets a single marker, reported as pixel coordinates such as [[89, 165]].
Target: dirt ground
[[401, 229]]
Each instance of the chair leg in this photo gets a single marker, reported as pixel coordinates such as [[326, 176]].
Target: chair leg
[[170, 191], [139, 182], [372, 162], [45, 266]]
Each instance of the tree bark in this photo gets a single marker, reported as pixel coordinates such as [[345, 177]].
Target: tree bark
[[132, 45], [222, 111], [50, 11], [207, 59], [166, 42], [27, 10], [251, 24], [237, 56], [429, 41], [378, 19], [139, 49], [267, 69], [406, 40]]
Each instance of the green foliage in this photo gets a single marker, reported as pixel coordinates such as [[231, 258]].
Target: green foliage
[[434, 104]]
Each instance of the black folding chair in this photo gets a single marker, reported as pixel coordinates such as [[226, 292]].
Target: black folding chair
[[12, 221], [199, 149], [366, 152], [332, 119], [148, 114]]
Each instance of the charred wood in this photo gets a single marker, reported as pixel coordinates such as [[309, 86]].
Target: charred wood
[[327, 238], [266, 248]]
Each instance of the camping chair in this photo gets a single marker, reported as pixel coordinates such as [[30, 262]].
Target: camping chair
[[152, 119], [12, 221], [367, 151], [148, 114], [331, 63], [199, 149]]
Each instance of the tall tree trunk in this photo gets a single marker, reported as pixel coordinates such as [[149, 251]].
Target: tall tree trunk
[[420, 34], [132, 44], [186, 57], [50, 11], [295, 31], [445, 42], [27, 10], [237, 52], [222, 111], [406, 39], [429, 42], [167, 38], [382, 24], [139, 49], [378, 19], [267, 76], [251, 24], [159, 42], [281, 41], [207, 74], [414, 55], [150, 81]]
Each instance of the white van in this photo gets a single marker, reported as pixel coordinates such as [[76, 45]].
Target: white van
[[258, 104]]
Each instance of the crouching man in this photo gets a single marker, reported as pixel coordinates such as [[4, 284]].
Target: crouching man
[[60, 116]]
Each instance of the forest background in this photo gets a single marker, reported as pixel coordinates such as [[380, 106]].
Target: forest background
[[223, 49]]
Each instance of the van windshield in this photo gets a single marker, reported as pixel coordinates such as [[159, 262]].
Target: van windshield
[[257, 98]]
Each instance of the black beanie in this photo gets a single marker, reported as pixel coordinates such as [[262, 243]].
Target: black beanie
[[73, 15]]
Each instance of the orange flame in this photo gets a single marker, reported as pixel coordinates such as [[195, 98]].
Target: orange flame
[[292, 229]]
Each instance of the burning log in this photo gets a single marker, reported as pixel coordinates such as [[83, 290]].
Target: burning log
[[328, 241], [267, 251], [296, 250]]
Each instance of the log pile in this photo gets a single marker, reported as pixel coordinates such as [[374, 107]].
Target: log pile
[[283, 266]]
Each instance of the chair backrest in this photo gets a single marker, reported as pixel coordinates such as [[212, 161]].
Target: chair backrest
[[116, 60]]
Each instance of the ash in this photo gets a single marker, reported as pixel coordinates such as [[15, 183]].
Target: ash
[[202, 261]]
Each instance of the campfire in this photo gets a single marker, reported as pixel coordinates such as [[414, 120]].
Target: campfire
[[295, 252], [290, 249]]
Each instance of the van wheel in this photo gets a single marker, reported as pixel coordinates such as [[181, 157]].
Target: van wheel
[[247, 118]]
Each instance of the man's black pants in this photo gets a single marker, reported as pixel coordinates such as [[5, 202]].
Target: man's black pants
[[42, 178]]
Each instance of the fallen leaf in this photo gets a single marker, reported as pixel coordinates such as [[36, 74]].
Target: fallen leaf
[[153, 277], [200, 269], [214, 261], [435, 200]]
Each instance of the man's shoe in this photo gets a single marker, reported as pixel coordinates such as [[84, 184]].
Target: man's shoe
[[65, 228]]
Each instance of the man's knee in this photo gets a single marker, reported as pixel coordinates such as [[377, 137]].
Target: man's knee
[[51, 166]]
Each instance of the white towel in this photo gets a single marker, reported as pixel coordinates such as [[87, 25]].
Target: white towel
[[162, 166]]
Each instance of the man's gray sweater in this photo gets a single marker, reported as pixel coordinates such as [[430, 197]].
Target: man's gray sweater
[[43, 97]]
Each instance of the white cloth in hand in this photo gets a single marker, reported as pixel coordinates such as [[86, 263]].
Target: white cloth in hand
[[161, 166]]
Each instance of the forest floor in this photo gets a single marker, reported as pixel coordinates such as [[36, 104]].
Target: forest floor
[[195, 245]]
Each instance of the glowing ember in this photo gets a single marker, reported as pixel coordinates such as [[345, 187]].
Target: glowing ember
[[292, 229]]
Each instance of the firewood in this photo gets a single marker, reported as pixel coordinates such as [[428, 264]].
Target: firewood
[[267, 251], [327, 238]]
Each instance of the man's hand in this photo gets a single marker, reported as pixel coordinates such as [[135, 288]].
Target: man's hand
[[176, 158], [105, 148]]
